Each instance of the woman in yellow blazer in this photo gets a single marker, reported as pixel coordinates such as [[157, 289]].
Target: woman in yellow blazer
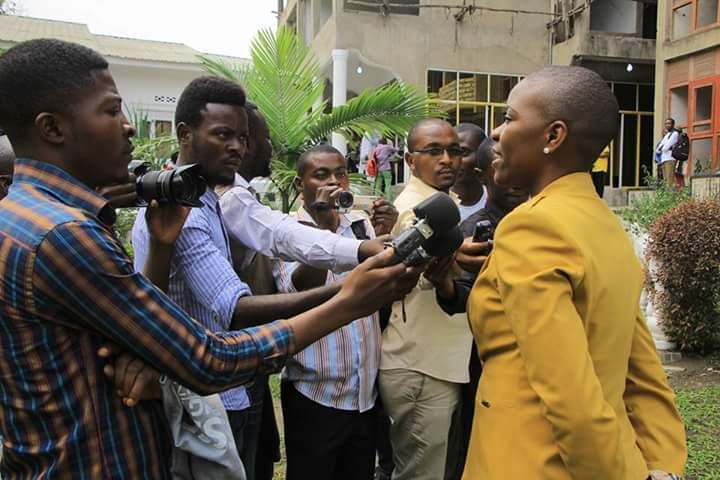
[[572, 387]]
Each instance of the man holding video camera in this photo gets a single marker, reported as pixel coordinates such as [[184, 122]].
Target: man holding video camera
[[425, 352], [328, 389]]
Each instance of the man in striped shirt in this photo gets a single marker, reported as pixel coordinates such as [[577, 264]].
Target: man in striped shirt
[[68, 286], [328, 389]]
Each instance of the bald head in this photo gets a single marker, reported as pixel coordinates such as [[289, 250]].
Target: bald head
[[7, 156], [582, 99], [422, 127]]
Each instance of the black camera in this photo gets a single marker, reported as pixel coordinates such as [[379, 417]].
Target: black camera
[[179, 186], [345, 200]]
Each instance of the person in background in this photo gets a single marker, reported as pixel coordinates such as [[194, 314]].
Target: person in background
[[599, 171], [367, 144], [470, 184], [7, 164], [328, 389], [425, 352], [384, 158], [571, 377], [664, 152]]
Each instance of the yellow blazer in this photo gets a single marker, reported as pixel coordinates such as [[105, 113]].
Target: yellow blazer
[[572, 387]]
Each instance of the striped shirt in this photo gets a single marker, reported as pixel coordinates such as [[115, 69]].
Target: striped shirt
[[202, 279], [67, 286], [340, 369]]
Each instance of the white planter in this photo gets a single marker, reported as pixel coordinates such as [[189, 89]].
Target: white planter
[[639, 241]]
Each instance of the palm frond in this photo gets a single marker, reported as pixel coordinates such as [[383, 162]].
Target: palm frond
[[236, 72], [391, 110], [286, 85]]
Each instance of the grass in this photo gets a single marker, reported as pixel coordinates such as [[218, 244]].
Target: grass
[[700, 408]]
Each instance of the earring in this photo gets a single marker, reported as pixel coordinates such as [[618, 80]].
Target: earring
[[546, 151]]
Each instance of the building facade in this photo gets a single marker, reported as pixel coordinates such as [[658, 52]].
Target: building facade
[[615, 38], [150, 75], [469, 57], [688, 76]]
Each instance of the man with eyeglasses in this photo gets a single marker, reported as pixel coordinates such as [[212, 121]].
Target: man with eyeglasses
[[7, 163], [425, 352]]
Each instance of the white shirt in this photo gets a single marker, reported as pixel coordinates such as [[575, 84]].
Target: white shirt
[[275, 234], [466, 211], [666, 144]]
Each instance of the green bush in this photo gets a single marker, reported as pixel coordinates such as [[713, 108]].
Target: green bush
[[646, 210], [685, 244]]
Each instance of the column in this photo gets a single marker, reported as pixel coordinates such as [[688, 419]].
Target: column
[[339, 81]]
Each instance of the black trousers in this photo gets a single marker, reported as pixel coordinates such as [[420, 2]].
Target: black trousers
[[324, 443]]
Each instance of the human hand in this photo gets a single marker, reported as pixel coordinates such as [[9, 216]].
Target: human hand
[[122, 195], [383, 216], [165, 222], [369, 248], [439, 273], [377, 282], [134, 380], [471, 255]]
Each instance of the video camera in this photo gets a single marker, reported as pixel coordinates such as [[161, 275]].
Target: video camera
[[179, 186], [435, 232]]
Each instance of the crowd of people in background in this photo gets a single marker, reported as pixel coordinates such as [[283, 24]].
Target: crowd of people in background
[[521, 355]]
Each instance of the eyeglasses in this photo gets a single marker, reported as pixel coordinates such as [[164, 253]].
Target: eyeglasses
[[453, 151]]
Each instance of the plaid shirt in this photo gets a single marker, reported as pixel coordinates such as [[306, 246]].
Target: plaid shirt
[[66, 287]]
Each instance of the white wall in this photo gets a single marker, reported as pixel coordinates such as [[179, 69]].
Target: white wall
[[154, 89], [614, 16]]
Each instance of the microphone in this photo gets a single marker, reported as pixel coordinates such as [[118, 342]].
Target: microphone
[[439, 245], [436, 216]]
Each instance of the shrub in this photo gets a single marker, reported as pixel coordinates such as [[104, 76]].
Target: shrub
[[646, 210], [685, 244]]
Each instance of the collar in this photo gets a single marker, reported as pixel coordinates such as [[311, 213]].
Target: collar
[[62, 186], [210, 199], [418, 186], [346, 219], [575, 183], [239, 181]]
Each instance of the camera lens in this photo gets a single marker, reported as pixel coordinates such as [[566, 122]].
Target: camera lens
[[345, 200], [182, 186]]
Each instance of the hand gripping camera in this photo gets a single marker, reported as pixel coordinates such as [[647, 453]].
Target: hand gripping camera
[[435, 233], [179, 186]]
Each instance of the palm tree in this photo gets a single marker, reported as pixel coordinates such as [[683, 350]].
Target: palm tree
[[284, 81]]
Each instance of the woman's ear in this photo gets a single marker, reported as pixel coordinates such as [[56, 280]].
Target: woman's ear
[[555, 135]]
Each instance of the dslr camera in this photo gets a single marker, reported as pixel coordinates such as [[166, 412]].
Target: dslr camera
[[179, 186]]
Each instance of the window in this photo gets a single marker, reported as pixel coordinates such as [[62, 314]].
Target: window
[[691, 15], [402, 7], [703, 107], [701, 154], [679, 105], [707, 12], [477, 98], [163, 128], [682, 21]]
